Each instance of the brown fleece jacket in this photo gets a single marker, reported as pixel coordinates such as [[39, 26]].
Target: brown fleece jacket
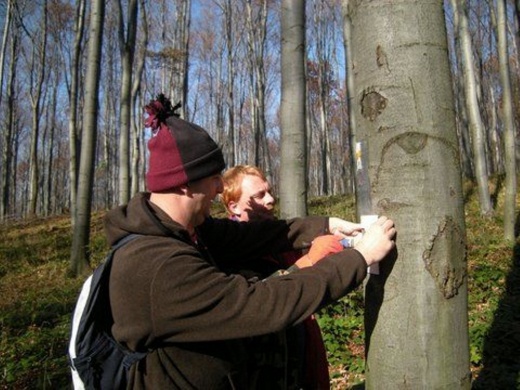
[[169, 295]]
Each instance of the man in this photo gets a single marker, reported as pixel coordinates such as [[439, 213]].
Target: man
[[168, 293], [247, 197]]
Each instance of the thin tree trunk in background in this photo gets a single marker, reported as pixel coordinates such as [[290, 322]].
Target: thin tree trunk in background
[[109, 134], [460, 106], [7, 25], [293, 192], [473, 109], [495, 144], [509, 125], [185, 40], [257, 31], [81, 234], [48, 207], [135, 122], [127, 37], [349, 90], [416, 308], [230, 146], [322, 65], [38, 67], [73, 98], [108, 156], [8, 161]]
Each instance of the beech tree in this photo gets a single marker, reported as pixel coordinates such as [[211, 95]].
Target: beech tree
[[7, 133], [75, 70], [473, 107], [81, 233], [127, 37], [37, 73], [293, 194], [416, 308], [509, 126]]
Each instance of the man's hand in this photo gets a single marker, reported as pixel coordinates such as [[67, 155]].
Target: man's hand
[[377, 241], [344, 228]]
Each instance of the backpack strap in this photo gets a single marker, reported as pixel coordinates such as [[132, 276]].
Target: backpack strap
[[118, 244], [133, 357]]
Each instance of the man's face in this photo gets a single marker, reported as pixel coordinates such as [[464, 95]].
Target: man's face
[[256, 201], [203, 192]]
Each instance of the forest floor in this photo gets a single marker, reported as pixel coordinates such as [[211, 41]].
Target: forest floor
[[38, 296]]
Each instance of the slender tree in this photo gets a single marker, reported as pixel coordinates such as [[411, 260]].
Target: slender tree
[[472, 107], [509, 125], [416, 308], [293, 193], [3, 49], [184, 40], [256, 18], [81, 234], [349, 87], [127, 38], [37, 76], [136, 87], [230, 146], [9, 134], [73, 111]]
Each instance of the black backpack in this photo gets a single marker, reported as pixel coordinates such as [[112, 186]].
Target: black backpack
[[97, 361]]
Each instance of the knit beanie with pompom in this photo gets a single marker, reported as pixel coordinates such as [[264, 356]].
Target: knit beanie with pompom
[[180, 151]]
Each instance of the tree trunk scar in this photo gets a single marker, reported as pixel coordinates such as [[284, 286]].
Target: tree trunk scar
[[447, 269], [372, 104], [388, 206], [413, 142], [381, 58]]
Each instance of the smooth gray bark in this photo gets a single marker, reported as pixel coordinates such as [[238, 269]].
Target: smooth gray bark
[[137, 133], [473, 108], [293, 193], [81, 232], [416, 308], [509, 124], [73, 97], [38, 65], [9, 134], [127, 37], [349, 89]]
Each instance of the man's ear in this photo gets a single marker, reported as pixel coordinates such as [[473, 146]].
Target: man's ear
[[234, 208], [184, 189]]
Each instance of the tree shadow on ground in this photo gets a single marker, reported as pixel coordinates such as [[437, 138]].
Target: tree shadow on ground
[[501, 356]]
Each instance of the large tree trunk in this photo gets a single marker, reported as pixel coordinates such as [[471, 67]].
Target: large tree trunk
[[79, 252], [293, 193], [416, 308]]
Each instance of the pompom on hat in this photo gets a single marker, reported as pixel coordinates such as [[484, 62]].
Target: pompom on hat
[[180, 151]]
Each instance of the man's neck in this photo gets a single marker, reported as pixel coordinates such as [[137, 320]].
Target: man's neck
[[175, 205]]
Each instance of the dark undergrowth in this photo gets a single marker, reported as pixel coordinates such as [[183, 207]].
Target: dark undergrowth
[[37, 298]]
